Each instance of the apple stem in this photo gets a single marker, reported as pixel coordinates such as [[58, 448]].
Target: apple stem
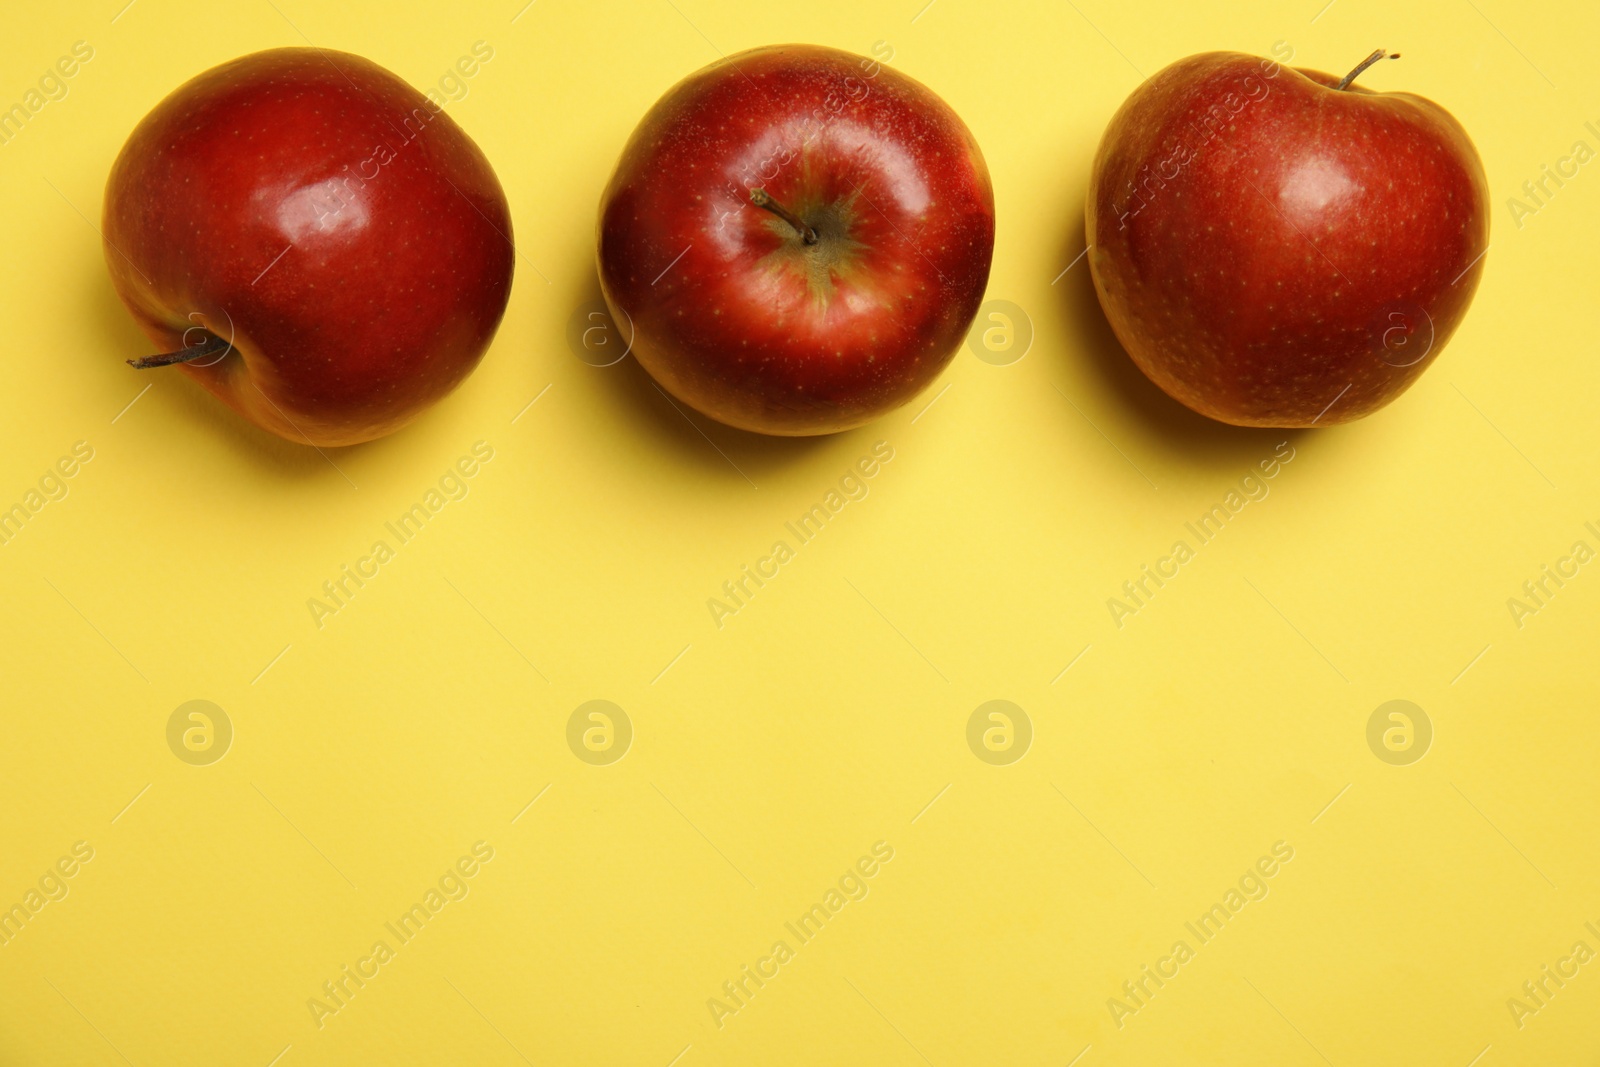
[[760, 199], [209, 347], [1344, 83]]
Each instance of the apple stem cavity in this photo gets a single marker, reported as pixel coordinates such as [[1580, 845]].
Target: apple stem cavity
[[208, 347], [1344, 83], [760, 199]]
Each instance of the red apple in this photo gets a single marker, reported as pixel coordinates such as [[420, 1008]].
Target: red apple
[[800, 237], [1279, 247], [328, 251]]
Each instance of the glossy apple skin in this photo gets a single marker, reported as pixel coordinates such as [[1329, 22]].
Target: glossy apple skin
[[347, 237], [730, 311], [1303, 265]]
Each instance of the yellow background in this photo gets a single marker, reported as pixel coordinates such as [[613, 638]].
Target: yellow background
[[770, 754]]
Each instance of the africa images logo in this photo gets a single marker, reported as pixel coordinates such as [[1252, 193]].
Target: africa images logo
[[852, 486], [1252, 885], [451, 886], [852, 885], [1138, 592]]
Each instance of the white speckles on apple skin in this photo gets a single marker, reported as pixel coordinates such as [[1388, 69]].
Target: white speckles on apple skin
[[801, 378], [1408, 217], [208, 241]]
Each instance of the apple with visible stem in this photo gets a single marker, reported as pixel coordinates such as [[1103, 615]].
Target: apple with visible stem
[[800, 238], [1281, 247], [312, 240]]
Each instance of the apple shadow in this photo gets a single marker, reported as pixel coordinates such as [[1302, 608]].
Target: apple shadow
[[696, 439], [1184, 436]]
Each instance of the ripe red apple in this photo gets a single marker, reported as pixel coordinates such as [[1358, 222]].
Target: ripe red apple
[[800, 238], [1279, 247], [328, 252]]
